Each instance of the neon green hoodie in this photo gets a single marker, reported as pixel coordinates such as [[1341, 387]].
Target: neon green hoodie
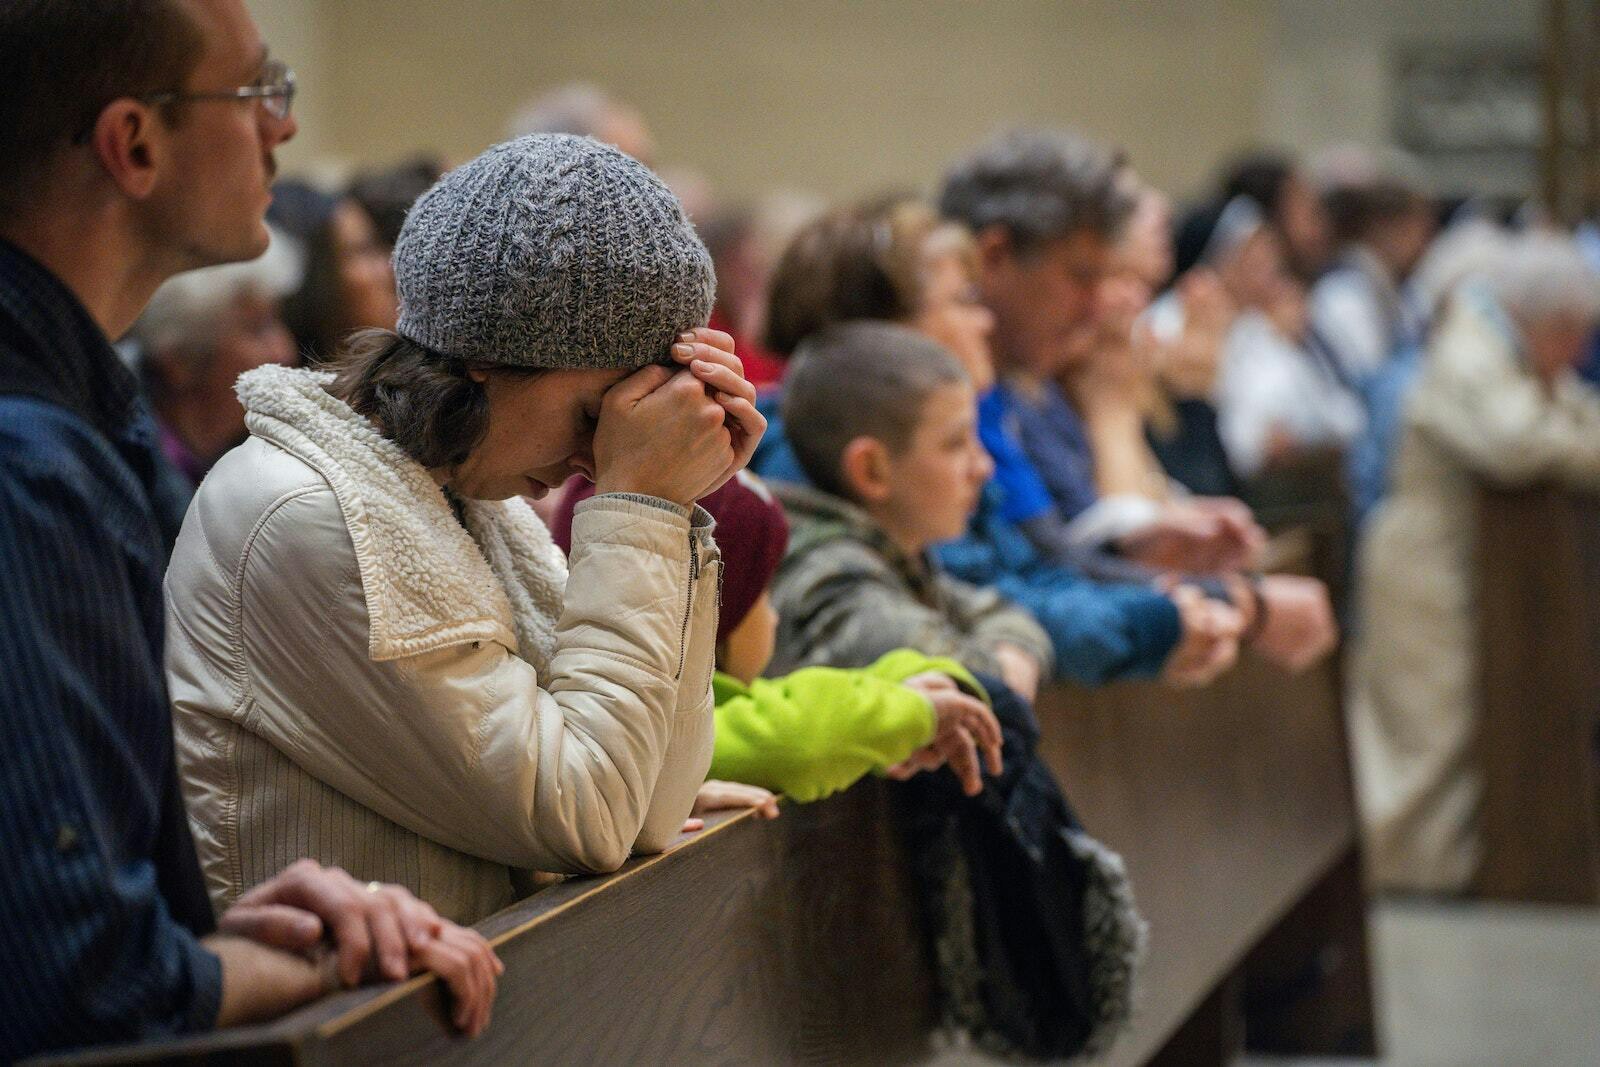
[[816, 731]]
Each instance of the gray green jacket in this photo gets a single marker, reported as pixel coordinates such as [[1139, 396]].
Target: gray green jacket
[[846, 595]]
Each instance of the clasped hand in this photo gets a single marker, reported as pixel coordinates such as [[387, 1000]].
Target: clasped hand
[[679, 434]]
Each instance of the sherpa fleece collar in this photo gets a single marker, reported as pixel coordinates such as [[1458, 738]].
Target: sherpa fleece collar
[[429, 583]]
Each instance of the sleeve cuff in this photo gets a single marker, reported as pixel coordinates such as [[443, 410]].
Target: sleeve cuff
[[1154, 628], [205, 976], [653, 501]]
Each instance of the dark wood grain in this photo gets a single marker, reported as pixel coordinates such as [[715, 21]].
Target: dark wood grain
[[1539, 732], [754, 942], [1229, 805]]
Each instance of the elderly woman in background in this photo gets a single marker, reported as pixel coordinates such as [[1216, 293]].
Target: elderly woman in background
[[1496, 400], [377, 655], [200, 332]]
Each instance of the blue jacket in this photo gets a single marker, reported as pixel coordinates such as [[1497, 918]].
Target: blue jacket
[[101, 903], [1101, 632]]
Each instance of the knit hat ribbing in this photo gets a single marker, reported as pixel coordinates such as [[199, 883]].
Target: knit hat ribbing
[[551, 251]]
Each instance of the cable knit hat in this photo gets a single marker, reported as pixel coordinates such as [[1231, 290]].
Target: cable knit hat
[[752, 532], [551, 251]]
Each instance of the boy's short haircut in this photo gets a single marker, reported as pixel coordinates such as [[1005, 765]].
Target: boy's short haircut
[[859, 379], [1039, 185]]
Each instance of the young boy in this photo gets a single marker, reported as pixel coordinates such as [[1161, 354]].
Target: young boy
[[816, 731], [884, 422]]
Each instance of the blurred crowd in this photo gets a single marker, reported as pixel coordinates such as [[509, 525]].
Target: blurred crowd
[[1321, 323]]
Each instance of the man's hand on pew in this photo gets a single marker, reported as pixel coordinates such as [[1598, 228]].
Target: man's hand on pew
[[1299, 629], [964, 726], [717, 795], [1198, 535], [377, 931], [1209, 643]]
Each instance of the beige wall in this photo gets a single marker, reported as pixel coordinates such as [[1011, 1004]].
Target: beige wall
[[843, 98], [1330, 72]]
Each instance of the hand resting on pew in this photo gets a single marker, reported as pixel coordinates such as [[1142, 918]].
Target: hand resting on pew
[[964, 727], [1019, 669], [347, 933], [1210, 641], [717, 795], [1299, 628]]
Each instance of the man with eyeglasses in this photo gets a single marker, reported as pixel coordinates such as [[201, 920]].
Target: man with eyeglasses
[[139, 137]]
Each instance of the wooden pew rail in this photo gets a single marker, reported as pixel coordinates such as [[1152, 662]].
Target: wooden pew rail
[[796, 941]]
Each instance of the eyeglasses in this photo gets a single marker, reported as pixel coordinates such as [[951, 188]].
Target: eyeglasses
[[274, 88]]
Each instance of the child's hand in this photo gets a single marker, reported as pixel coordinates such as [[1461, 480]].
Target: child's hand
[[1210, 641], [716, 795], [963, 726]]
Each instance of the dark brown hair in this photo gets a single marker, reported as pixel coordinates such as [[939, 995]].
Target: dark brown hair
[[65, 60], [859, 379], [1359, 210], [865, 261], [422, 400]]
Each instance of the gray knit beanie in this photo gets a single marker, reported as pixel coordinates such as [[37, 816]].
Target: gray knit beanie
[[551, 251]]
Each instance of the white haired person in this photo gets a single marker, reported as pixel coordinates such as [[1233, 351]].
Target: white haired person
[[1496, 401], [377, 652], [201, 330]]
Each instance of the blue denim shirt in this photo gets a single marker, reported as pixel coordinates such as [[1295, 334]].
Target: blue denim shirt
[[1052, 437], [102, 902]]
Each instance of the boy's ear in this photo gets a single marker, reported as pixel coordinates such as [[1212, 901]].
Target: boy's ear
[[867, 470]]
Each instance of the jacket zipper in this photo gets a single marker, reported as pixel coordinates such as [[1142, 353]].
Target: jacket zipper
[[688, 606]]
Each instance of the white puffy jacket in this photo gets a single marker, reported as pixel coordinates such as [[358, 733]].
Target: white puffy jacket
[[359, 677]]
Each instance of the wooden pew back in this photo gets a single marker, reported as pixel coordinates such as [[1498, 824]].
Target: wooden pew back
[[1229, 804], [797, 942], [1539, 662], [792, 941]]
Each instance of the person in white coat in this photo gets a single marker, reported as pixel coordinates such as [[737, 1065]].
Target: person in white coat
[[377, 656], [1496, 401]]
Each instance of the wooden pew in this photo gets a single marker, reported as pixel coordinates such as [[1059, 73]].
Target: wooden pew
[[1539, 734], [796, 942], [1231, 806], [791, 941]]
